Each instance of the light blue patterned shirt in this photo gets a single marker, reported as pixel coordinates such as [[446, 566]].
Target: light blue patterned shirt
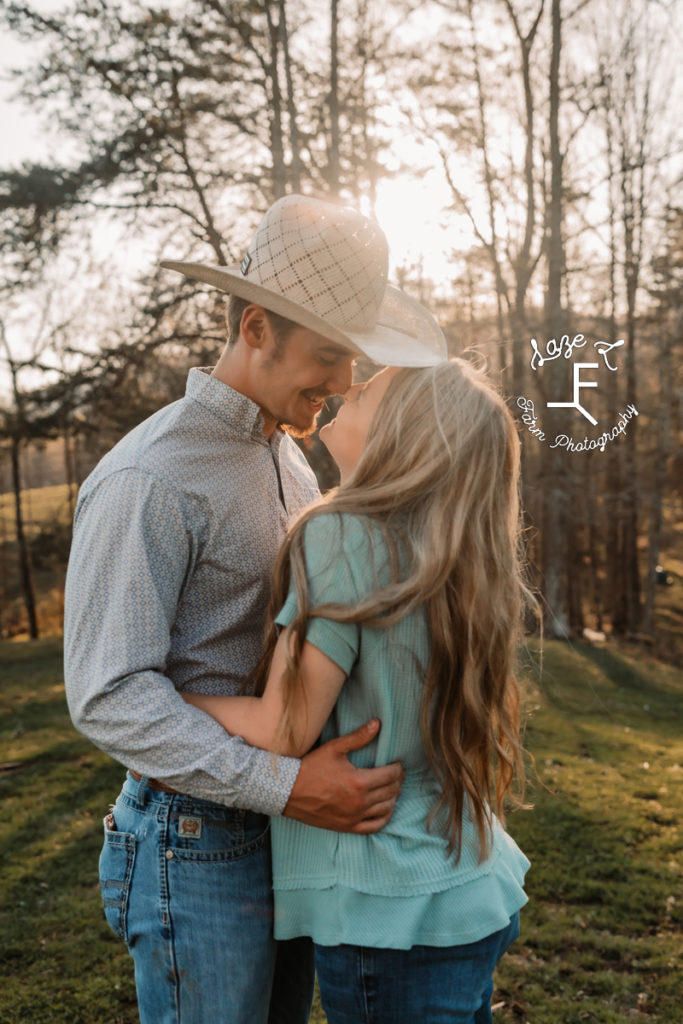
[[175, 538]]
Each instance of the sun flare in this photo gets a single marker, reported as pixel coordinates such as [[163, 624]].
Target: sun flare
[[421, 231]]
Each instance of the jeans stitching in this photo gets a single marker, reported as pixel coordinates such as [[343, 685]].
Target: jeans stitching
[[125, 841], [364, 983], [163, 818], [221, 856]]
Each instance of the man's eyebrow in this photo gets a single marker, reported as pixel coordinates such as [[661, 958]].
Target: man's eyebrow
[[337, 350]]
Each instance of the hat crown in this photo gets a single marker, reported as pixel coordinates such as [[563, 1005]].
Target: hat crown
[[329, 259]]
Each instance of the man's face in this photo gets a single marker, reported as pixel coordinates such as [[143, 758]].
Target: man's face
[[295, 377]]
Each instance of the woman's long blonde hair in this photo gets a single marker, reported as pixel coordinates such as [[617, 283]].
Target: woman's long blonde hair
[[439, 476]]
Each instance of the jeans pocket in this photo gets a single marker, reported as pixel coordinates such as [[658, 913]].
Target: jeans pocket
[[116, 871], [220, 844]]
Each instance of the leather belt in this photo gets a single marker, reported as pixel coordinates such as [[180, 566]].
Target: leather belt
[[155, 784]]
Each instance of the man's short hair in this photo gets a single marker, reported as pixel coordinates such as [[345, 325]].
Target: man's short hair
[[282, 327]]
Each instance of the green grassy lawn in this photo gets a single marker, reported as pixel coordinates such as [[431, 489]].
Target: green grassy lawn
[[601, 936]]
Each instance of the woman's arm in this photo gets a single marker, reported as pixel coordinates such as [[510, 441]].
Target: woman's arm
[[257, 719]]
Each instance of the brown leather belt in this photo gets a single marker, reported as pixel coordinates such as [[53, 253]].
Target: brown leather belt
[[155, 784]]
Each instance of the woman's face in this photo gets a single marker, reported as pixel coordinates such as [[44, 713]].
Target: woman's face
[[345, 436]]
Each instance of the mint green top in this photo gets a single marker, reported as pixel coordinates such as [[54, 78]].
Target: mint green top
[[397, 888]]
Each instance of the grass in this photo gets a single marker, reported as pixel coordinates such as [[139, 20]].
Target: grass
[[601, 936]]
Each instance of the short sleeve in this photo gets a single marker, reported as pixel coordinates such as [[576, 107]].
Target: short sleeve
[[335, 549]]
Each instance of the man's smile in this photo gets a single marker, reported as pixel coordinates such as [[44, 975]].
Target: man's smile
[[316, 401]]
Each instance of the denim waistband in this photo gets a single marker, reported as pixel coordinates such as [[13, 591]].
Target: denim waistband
[[141, 795]]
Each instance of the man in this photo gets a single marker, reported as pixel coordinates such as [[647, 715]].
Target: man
[[175, 537]]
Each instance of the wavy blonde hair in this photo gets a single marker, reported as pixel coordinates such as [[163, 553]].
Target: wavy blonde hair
[[439, 475]]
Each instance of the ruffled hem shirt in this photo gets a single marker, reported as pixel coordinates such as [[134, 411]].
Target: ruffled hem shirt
[[399, 887]]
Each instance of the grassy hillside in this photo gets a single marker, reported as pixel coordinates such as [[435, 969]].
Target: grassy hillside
[[601, 937]]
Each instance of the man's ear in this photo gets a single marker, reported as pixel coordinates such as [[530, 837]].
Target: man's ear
[[254, 326]]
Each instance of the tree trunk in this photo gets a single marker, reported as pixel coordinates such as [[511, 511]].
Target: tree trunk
[[554, 542], [334, 165], [68, 471], [4, 575], [77, 461], [22, 547], [368, 186], [592, 516], [523, 262], [632, 225], [490, 196], [574, 568], [663, 428], [279, 170], [295, 163], [613, 504]]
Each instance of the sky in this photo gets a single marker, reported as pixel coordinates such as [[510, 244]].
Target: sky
[[22, 135]]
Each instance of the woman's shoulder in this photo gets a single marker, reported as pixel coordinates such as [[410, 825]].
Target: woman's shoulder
[[336, 531], [348, 545]]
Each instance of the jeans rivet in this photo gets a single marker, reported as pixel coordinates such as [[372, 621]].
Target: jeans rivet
[[169, 855]]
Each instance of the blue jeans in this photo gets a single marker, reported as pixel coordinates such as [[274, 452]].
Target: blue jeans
[[187, 884], [422, 985]]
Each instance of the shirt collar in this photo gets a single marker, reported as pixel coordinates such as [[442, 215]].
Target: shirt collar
[[241, 414]]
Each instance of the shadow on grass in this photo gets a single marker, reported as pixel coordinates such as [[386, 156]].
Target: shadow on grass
[[579, 677], [41, 711], [38, 653], [627, 677]]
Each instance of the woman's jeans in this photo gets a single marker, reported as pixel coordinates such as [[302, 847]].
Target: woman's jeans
[[187, 884], [422, 985]]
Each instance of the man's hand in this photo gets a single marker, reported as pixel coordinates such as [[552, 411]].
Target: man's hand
[[330, 792]]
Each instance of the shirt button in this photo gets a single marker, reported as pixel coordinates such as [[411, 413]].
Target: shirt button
[[169, 855]]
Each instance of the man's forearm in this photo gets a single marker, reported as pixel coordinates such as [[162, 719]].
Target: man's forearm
[[141, 721]]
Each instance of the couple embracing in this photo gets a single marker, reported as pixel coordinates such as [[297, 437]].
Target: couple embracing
[[373, 742]]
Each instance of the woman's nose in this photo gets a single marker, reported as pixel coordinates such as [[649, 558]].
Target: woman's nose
[[341, 380], [352, 393]]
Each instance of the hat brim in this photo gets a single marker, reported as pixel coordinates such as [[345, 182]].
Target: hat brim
[[406, 334]]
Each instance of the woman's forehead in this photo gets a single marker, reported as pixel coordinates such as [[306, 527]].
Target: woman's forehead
[[384, 375], [381, 380]]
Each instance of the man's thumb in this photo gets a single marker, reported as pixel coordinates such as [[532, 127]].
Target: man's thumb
[[359, 737]]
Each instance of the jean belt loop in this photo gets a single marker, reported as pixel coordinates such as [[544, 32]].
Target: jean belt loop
[[142, 786]]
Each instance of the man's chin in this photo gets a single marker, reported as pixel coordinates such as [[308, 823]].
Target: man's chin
[[299, 430]]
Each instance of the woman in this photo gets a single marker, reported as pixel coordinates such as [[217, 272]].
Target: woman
[[401, 597]]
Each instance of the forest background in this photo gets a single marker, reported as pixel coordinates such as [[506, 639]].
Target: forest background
[[546, 132]]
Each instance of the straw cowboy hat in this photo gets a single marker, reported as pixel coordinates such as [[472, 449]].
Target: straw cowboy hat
[[325, 267]]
